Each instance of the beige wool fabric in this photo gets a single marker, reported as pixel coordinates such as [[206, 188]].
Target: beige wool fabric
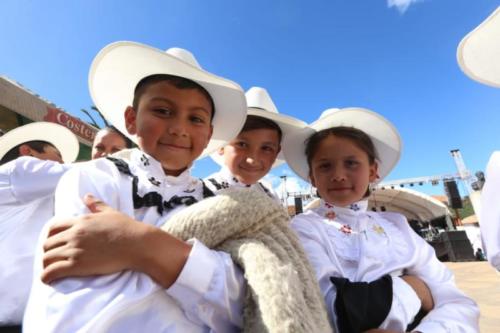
[[282, 293]]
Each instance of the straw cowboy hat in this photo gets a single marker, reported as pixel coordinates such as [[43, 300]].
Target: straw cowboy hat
[[119, 66], [383, 134], [478, 53], [260, 104], [57, 135]]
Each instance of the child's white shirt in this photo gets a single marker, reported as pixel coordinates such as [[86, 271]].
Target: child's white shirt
[[225, 179], [489, 219], [27, 186], [207, 296], [363, 246]]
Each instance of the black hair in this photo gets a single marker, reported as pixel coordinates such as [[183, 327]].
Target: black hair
[[256, 122], [176, 81], [36, 145], [358, 137], [128, 142]]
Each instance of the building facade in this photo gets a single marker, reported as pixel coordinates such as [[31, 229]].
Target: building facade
[[20, 106]]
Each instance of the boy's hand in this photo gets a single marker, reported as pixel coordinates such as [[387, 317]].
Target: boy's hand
[[422, 291], [98, 243]]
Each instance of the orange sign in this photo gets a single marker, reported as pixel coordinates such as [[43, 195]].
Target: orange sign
[[74, 124]]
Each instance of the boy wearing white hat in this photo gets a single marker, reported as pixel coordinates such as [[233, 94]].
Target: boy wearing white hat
[[31, 158], [360, 256], [247, 158], [176, 112], [479, 58]]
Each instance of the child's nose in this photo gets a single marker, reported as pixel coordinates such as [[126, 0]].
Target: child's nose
[[177, 127], [337, 175]]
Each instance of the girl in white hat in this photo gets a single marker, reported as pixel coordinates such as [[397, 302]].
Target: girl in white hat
[[31, 164], [247, 158], [359, 256]]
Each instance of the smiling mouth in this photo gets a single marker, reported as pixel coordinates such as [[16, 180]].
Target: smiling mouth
[[339, 189], [174, 146]]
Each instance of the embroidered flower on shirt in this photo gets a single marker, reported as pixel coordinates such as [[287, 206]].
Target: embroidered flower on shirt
[[154, 181], [330, 215], [144, 160], [189, 190], [346, 229], [354, 207], [378, 229]]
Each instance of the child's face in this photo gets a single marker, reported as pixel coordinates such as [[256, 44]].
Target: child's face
[[251, 154], [107, 143], [172, 125], [50, 153], [341, 171]]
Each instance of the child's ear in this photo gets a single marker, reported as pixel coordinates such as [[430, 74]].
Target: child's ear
[[130, 120], [24, 150], [373, 172], [313, 181], [221, 151]]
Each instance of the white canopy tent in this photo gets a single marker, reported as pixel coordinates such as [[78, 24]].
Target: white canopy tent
[[411, 203]]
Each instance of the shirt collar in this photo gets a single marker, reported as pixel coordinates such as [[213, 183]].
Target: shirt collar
[[351, 210], [227, 176], [154, 169]]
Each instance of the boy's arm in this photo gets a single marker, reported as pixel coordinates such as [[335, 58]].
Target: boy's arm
[[208, 286], [490, 211], [453, 311], [28, 178]]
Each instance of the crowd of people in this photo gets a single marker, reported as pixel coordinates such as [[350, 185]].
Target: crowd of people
[[131, 241]]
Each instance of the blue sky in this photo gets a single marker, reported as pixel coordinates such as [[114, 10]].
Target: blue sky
[[395, 57]]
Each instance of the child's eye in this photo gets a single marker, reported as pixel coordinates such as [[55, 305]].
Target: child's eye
[[351, 163], [241, 144], [198, 120], [324, 166], [163, 111], [268, 149]]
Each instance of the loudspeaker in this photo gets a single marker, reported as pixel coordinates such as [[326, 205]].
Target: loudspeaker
[[451, 190], [298, 205], [453, 246]]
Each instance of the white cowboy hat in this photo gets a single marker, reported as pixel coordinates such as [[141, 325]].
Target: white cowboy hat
[[118, 68], [383, 134], [260, 104], [478, 53], [57, 135]]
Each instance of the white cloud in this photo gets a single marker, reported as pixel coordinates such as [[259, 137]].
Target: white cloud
[[401, 5]]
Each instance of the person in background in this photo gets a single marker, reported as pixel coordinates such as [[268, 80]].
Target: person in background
[[478, 57], [248, 158], [31, 158], [108, 141]]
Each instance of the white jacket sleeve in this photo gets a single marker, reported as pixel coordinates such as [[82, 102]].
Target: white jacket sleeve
[[27, 178], [489, 220], [453, 311], [208, 293]]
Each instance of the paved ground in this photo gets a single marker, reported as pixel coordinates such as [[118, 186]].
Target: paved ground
[[482, 283]]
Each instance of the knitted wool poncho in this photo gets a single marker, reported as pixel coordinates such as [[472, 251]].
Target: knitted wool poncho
[[282, 293]]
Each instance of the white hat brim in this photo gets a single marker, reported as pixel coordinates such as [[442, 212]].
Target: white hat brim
[[286, 123], [478, 54], [118, 68], [383, 134], [57, 135]]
